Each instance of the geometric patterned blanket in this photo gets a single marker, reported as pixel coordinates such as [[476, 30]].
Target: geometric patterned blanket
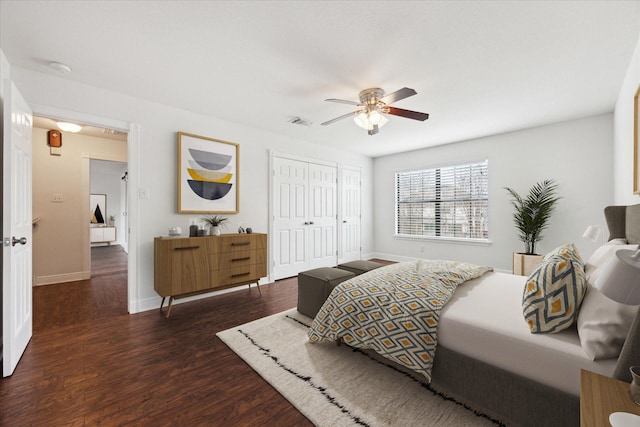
[[393, 310]]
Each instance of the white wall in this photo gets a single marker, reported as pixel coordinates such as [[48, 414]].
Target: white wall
[[623, 135], [577, 154], [156, 170]]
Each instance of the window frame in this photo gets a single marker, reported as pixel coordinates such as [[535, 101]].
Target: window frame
[[437, 170]]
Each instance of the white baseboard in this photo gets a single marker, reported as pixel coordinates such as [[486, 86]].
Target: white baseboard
[[153, 303], [61, 278]]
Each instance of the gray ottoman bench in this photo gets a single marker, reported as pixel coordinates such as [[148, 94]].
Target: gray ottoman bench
[[359, 267], [314, 286]]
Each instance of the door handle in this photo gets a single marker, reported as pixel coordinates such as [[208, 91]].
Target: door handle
[[344, 222], [310, 222], [22, 241], [306, 223]]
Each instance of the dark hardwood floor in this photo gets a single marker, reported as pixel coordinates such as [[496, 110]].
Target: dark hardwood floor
[[90, 363]]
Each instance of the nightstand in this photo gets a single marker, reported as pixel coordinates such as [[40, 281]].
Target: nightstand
[[600, 396]]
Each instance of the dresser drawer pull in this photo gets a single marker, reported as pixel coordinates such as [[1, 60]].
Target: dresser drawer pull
[[241, 259], [240, 243], [240, 274], [184, 248]]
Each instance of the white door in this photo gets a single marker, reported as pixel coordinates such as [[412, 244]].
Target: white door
[[304, 217], [322, 217], [290, 189], [350, 215], [16, 225]]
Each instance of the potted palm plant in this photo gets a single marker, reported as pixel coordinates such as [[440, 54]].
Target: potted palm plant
[[216, 222], [531, 216]]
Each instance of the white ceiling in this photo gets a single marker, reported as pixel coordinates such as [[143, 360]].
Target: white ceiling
[[479, 67]]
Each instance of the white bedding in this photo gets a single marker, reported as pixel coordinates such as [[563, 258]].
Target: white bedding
[[484, 320]]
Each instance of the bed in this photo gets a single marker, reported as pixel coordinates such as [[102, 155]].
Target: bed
[[487, 357]]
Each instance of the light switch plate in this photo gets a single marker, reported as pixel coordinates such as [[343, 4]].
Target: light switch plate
[[57, 198]]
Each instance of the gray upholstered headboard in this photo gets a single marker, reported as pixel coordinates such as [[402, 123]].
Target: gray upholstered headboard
[[624, 223]]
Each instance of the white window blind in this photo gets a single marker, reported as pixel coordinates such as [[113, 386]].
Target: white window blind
[[448, 202]]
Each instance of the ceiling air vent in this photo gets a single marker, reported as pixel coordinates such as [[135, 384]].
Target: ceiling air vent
[[302, 122], [112, 132]]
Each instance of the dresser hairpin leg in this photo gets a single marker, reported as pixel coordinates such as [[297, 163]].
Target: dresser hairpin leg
[[168, 306], [258, 285]]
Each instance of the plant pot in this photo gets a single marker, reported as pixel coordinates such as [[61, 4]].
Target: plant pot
[[523, 264], [214, 231]]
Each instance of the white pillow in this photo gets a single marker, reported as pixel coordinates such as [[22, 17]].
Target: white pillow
[[603, 324]]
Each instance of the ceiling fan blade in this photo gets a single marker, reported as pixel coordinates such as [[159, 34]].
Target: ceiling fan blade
[[338, 118], [415, 115], [403, 93], [342, 101]]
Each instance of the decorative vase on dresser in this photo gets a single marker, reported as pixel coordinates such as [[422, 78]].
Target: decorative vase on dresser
[[189, 266]]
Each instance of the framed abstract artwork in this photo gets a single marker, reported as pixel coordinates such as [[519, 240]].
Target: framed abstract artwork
[[98, 208], [636, 141], [208, 175]]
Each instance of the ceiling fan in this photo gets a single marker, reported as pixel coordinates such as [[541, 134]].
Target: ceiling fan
[[373, 105]]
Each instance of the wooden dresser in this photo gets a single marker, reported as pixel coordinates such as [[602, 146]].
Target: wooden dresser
[[185, 266]]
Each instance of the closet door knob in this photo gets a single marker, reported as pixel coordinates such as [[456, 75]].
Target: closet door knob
[[22, 241]]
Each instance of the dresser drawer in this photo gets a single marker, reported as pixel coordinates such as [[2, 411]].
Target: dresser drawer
[[241, 242], [244, 274], [234, 259]]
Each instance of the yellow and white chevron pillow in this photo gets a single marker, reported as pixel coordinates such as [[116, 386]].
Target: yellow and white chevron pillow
[[554, 291]]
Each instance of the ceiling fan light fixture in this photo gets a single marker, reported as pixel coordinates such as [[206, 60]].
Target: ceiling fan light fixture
[[362, 121], [374, 105], [375, 117], [369, 120]]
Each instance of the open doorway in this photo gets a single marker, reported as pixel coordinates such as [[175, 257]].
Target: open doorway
[[65, 242]]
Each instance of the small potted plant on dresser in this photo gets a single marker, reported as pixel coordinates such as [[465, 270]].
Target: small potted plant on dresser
[[216, 223], [531, 216]]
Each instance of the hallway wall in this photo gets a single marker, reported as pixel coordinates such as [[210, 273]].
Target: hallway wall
[[61, 251]]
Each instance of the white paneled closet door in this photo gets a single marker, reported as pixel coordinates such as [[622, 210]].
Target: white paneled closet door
[[350, 215], [323, 250], [290, 192], [305, 223]]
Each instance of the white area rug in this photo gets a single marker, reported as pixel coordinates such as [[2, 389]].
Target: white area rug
[[337, 385]]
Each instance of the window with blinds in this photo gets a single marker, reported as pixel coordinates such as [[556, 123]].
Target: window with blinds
[[445, 202]]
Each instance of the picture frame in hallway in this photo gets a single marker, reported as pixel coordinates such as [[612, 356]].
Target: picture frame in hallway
[[208, 175], [98, 208]]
